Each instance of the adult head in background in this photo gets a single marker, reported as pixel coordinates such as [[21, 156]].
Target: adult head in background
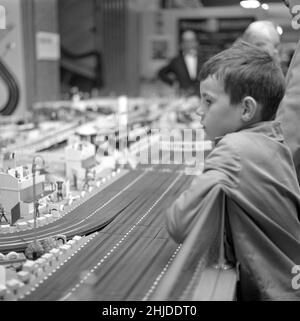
[[183, 69], [189, 42], [263, 34]]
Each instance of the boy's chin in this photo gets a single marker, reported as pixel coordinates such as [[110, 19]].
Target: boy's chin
[[208, 136]]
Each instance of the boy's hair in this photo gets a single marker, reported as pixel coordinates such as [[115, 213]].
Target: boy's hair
[[247, 70]]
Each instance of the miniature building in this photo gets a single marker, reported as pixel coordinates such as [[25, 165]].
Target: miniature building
[[79, 156], [9, 161], [87, 133], [81, 163], [19, 190]]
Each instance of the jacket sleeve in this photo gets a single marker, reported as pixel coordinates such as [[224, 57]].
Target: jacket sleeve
[[222, 167], [289, 110], [167, 73]]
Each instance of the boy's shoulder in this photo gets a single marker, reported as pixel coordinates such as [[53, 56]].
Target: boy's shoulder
[[267, 133], [236, 141], [245, 144], [235, 151], [226, 150]]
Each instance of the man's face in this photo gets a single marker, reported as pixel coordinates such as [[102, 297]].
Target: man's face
[[189, 45], [189, 42]]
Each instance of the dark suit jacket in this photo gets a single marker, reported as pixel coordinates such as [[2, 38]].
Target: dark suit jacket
[[289, 110], [177, 70]]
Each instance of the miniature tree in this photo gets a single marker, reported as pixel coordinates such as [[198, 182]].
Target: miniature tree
[[17, 266], [48, 244], [34, 250]]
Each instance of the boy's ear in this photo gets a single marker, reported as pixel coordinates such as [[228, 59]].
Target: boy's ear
[[249, 109]]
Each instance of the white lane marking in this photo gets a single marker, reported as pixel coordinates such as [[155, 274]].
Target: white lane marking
[[155, 283], [58, 267], [65, 297], [115, 246]]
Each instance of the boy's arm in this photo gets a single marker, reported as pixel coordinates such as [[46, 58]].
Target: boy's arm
[[222, 167], [187, 208]]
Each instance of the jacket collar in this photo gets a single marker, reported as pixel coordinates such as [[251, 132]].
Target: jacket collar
[[271, 129]]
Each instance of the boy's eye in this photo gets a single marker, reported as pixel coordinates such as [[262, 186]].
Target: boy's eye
[[208, 102]]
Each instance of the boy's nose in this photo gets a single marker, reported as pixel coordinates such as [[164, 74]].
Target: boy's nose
[[200, 112]]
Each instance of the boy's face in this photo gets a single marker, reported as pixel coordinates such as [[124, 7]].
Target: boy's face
[[218, 116]]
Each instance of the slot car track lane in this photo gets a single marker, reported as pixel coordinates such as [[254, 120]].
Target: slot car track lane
[[128, 254], [89, 216]]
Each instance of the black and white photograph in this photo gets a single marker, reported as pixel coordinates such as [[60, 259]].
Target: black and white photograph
[[160, 48], [149, 155]]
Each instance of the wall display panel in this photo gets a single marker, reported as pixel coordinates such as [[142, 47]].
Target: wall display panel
[[12, 62]]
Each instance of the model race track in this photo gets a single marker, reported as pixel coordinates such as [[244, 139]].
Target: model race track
[[89, 216], [129, 254]]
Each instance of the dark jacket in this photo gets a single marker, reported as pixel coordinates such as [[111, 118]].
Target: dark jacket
[[255, 170], [289, 110], [177, 70]]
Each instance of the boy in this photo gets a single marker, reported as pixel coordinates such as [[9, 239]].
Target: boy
[[240, 91]]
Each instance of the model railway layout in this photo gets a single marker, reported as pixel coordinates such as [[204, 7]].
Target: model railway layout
[[126, 252], [129, 253]]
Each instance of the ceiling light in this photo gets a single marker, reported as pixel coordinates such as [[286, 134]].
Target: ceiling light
[[279, 30], [265, 6], [250, 4]]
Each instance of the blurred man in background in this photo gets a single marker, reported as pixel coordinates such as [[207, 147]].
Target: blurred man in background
[[264, 34], [182, 70]]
